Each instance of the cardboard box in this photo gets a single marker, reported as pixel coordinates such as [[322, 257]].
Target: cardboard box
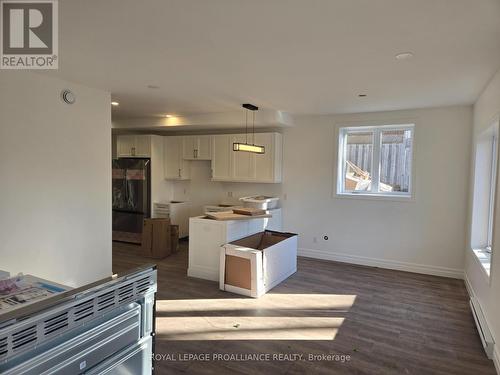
[[254, 265], [156, 238]]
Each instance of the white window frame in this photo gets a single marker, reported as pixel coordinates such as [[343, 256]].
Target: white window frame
[[482, 245], [493, 185], [376, 162]]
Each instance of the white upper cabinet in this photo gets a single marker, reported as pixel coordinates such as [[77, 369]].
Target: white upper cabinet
[[125, 145], [221, 157], [176, 168], [204, 147], [229, 165], [133, 146], [189, 147], [268, 165], [197, 147], [243, 163], [143, 145]]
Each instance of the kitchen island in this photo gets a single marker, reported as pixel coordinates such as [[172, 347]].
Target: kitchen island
[[206, 236]]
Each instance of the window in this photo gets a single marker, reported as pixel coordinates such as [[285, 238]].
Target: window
[[483, 207], [375, 160]]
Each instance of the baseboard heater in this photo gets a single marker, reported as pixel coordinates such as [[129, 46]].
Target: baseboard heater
[[482, 328]]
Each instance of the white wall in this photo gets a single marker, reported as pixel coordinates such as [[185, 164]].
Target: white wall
[[486, 112], [423, 235], [55, 194]]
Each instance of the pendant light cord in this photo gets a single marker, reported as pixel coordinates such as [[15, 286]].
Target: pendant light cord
[[246, 126], [253, 128]]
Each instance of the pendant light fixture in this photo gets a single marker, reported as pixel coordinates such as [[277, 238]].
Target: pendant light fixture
[[249, 147]]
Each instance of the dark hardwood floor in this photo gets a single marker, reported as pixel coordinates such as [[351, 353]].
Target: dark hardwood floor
[[387, 322]]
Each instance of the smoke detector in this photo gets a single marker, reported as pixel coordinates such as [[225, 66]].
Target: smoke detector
[[68, 97]]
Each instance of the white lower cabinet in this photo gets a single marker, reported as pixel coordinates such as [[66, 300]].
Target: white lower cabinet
[[229, 165], [207, 236], [176, 168]]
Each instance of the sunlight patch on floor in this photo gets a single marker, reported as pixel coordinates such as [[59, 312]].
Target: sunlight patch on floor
[[247, 328], [323, 302], [271, 317]]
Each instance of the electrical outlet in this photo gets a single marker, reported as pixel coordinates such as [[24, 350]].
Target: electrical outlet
[[230, 194], [185, 191], [285, 196]]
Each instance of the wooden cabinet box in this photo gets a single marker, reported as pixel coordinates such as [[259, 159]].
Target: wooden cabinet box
[[156, 238], [256, 264]]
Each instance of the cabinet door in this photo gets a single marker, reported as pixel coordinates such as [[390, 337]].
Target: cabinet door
[[221, 157], [243, 163], [172, 155], [204, 147], [185, 167], [189, 147], [125, 145], [264, 163], [143, 146]]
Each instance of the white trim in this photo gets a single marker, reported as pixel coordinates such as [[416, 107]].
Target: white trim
[[237, 290], [402, 197], [382, 263], [493, 188], [496, 358], [468, 285], [201, 272], [485, 274]]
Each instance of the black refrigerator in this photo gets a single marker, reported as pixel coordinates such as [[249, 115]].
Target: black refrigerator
[[131, 198]]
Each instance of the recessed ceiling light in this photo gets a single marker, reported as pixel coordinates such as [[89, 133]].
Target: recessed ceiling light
[[153, 87], [169, 116], [115, 104], [404, 56]]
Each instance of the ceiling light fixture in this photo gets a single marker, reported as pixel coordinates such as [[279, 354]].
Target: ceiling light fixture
[[362, 95], [404, 56], [169, 116], [249, 147], [115, 104]]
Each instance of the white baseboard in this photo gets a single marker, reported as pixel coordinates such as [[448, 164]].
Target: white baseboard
[[496, 352], [496, 359], [382, 263], [203, 273], [468, 286]]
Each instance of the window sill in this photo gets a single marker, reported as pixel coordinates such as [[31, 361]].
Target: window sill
[[378, 197], [484, 259]]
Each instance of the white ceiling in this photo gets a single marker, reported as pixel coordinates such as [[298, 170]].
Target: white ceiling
[[299, 56]]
